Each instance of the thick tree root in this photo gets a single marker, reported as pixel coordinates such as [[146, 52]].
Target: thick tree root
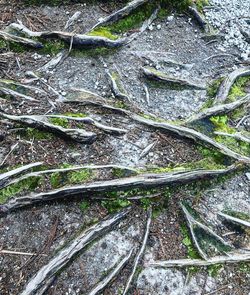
[[235, 220], [140, 252], [73, 39], [125, 11], [41, 122], [90, 121], [140, 181], [67, 254], [219, 109], [231, 258], [102, 284], [6, 178], [15, 94], [227, 84], [21, 40], [167, 127], [151, 73], [63, 170]]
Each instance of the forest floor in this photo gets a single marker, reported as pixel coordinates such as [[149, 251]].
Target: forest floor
[[172, 43]]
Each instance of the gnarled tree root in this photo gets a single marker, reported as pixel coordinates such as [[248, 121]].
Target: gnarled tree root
[[140, 252], [41, 122], [67, 254], [226, 85], [151, 73], [140, 181], [167, 127], [21, 40]]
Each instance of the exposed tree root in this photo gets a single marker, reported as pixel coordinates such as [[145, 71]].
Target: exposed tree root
[[237, 136], [151, 73], [140, 181], [102, 284], [21, 40], [68, 253], [90, 121], [232, 258], [72, 19], [15, 94], [53, 62], [235, 220], [6, 178], [140, 252], [219, 109], [121, 13], [167, 127], [63, 170], [226, 85], [41, 122], [206, 241]]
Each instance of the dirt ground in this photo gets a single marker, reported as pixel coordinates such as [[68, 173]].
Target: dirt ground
[[174, 44]]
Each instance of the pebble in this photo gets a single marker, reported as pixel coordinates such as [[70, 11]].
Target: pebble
[[158, 27]]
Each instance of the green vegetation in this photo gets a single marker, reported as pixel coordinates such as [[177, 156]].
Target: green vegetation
[[84, 205], [103, 32], [28, 184], [59, 122], [187, 241], [237, 214], [214, 270], [213, 89], [238, 89], [115, 205]]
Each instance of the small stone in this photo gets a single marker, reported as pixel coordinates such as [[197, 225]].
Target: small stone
[[170, 18], [248, 176], [158, 27], [150, 28]]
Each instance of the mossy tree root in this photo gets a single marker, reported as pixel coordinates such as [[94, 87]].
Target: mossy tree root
[[219, 109], [121, 13], [111, 276], [167, 127], [68, 254], [140, 253], [237, 136], [7, 177], [90, 121], [20, 40], [227, 84], [151, 73], [127, 183], [41, 122], [233, 258]]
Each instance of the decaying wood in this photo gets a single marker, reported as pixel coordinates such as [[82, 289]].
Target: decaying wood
[[6, 177], [88, 120], [167, 127], [140, 252], [231, 258], [234, 219], [140, 181], [125, 11], [237, 136], [228, 82], [102, 284], [69, 252], [53, 62], [192, 222], [9, 252], [199, 18], [41, 122], [151, 73], [81, 95], [21, 40], [219, 109]]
